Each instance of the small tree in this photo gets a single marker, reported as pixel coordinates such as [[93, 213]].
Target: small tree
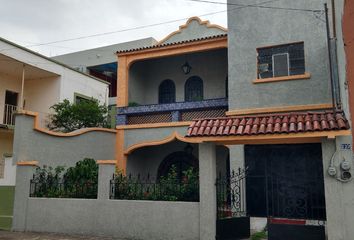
[[69, 117]]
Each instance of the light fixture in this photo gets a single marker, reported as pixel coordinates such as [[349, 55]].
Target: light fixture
[[186, 68]]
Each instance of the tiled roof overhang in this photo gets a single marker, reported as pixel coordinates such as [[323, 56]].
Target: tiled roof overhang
[[172, 44], [282, 124]]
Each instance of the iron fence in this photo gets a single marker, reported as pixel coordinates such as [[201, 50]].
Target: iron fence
[[146, 188], [61, 189], [231, 198]]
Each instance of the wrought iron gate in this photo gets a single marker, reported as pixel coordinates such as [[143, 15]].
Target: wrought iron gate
[[285, 184], [232, 220]]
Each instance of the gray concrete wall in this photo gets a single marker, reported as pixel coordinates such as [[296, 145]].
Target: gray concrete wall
[[145, 77], [339, 195], [253, 27], [124, 219], [135, 136], [30, 144]]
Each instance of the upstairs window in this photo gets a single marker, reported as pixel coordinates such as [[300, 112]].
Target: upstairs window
[[280, 61], [193, 89], [167, 92]]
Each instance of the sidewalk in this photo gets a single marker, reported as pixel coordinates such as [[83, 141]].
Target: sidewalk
[[5, 235]]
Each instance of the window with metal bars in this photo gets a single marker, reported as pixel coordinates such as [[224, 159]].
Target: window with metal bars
[[167, 92], [281, 60]]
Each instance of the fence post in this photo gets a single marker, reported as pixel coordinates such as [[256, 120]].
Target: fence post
[[106, 169], [207, 179], [24, 173]]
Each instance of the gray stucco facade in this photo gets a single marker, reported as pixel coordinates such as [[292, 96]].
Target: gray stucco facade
[[252, 28], [50, 150], [146, 76]]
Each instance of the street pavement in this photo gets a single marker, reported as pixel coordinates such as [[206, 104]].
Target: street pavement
[[5, 235]]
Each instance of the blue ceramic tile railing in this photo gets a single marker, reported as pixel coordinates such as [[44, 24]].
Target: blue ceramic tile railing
[[171, 112]]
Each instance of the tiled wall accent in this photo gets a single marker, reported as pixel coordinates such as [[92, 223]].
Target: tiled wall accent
[[175, 110]]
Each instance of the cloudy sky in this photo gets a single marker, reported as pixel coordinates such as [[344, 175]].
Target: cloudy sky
[[32, 22]]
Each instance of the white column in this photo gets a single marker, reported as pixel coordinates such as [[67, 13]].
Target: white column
[[22, 87], [207, 178]]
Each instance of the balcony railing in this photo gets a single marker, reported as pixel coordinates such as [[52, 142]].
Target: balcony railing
[[9, 114], [172, 112]]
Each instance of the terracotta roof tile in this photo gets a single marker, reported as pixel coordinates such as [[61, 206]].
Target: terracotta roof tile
[[269, 124], [172, 43]]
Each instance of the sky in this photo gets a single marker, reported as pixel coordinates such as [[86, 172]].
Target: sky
[[32, 22]]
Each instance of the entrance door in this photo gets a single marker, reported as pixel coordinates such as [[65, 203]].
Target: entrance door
[[285, 184], [10, 107]]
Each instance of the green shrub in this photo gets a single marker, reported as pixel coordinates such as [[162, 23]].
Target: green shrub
[[80, 181], [167, 188]]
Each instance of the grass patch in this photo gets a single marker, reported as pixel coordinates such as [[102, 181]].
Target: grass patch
[[259, 235]]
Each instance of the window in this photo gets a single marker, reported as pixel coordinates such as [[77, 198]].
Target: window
[[81, 98], [167, 92], [280, 61], [193, 89]]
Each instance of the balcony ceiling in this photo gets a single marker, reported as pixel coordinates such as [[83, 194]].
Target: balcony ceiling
[[13, 68]]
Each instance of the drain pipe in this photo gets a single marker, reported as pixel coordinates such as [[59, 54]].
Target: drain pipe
[[330, 61]]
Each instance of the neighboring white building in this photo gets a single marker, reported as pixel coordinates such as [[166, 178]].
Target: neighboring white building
[[33, 82], [102, 62]]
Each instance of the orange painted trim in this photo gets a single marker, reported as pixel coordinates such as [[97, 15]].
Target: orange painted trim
[[28, 163], [308, 137], [174, 136], [120, 156], [295, 108], [59, 134], [155, 125], [122, 81], [184, 26], [106, 162], [285, 78]]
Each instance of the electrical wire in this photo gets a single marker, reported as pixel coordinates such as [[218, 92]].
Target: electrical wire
[[257, 6], [138, 27]]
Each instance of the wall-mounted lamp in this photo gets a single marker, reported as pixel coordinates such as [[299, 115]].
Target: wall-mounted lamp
[[186, 68]]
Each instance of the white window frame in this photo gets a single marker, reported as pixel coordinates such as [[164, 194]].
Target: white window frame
[[278, 54]]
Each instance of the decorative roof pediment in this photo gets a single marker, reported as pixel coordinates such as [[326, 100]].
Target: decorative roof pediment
[[194, 28]]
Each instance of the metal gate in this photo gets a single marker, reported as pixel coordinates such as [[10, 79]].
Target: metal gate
[[285, 184], [232, 220]]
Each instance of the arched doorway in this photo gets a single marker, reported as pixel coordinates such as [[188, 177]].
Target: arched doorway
[[181, 161]]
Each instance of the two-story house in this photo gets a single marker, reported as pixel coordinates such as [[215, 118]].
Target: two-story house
[[262, 97]]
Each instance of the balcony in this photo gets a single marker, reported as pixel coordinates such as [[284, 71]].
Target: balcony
[[172, 112], [9, 115]]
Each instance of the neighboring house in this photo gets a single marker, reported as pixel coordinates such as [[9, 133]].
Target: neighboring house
[[102, 63], [32, 82]]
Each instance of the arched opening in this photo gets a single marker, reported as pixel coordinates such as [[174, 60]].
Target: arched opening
[[193, 89], [180, 162], [167, 92]]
